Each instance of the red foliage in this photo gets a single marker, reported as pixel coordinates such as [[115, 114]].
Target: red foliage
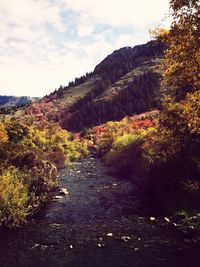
[[99, 129], [142, 124], [146, 115], [77, 137]]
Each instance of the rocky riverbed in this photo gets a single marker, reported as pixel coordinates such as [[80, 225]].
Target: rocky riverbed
[[93, 222]]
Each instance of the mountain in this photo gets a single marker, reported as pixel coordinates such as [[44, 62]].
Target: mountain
[[14, 101], [126, 82]]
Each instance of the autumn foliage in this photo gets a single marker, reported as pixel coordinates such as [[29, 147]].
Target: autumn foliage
[[30, 153], [172, 149]]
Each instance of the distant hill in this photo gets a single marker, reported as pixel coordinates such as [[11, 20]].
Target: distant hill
[[14, 101], [126, 82]]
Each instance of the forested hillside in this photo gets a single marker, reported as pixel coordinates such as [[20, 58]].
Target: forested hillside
[[125, 82], [14, 101]]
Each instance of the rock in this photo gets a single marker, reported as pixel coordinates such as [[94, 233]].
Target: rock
[[58, 197], [174, 224], [109, 234], [125, 238], [55, 224], [63, 192], [71, 247], [101, 245], [191, 227], [166, 219], [195, 218], [43, 247], [35, 246]]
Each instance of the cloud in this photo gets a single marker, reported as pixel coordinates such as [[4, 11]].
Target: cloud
[[85, 30], [31, 79], [45, 43], [31, 13], [130, 40], [120, 13]]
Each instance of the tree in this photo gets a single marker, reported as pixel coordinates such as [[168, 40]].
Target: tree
[[172, 150], [3, 133], [182, 57], [17, 131]]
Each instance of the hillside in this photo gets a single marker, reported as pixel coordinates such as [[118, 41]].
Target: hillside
[[124, 83], [14, 101]]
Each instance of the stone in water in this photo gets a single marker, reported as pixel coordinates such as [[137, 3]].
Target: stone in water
[[109, 234]]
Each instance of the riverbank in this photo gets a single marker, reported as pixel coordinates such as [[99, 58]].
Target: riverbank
[[96, 224]]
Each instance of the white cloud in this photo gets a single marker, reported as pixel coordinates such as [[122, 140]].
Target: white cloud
[[85, 30], [129, 40], [97, 50], [119, 13], [31, 13], [45, 43], [39, 79]]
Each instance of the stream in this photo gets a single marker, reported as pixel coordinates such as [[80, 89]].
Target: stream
[[95, 225]]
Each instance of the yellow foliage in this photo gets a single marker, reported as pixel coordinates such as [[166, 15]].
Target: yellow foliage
[[179, 126], [3, 133], [13, 197], [30, 154], [192, 112], [159, 33], [181, 63]]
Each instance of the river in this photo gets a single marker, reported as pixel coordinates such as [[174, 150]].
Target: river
[[95, 225]]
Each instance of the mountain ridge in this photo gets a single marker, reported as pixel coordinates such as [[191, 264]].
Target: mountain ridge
[[7, 101], [118, 86]]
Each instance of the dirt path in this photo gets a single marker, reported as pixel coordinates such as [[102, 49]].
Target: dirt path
[[95, 224]]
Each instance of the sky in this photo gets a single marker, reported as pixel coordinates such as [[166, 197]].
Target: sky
[[47, 43]]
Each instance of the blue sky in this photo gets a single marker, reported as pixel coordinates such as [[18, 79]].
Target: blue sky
[[46, 43]]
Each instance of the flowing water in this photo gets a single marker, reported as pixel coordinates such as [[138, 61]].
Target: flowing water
[[95, 224]]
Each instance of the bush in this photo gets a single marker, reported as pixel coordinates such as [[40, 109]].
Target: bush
[[172, 152], [58, 158], [125, 155], [29, 155], [3, 133], [14, 197]]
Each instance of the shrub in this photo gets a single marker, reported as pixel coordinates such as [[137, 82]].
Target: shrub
[[172, 151], [3, 133], [58, 158], [29, 155], [17, 131], [40, 181], [125, 155], [14, 197]]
